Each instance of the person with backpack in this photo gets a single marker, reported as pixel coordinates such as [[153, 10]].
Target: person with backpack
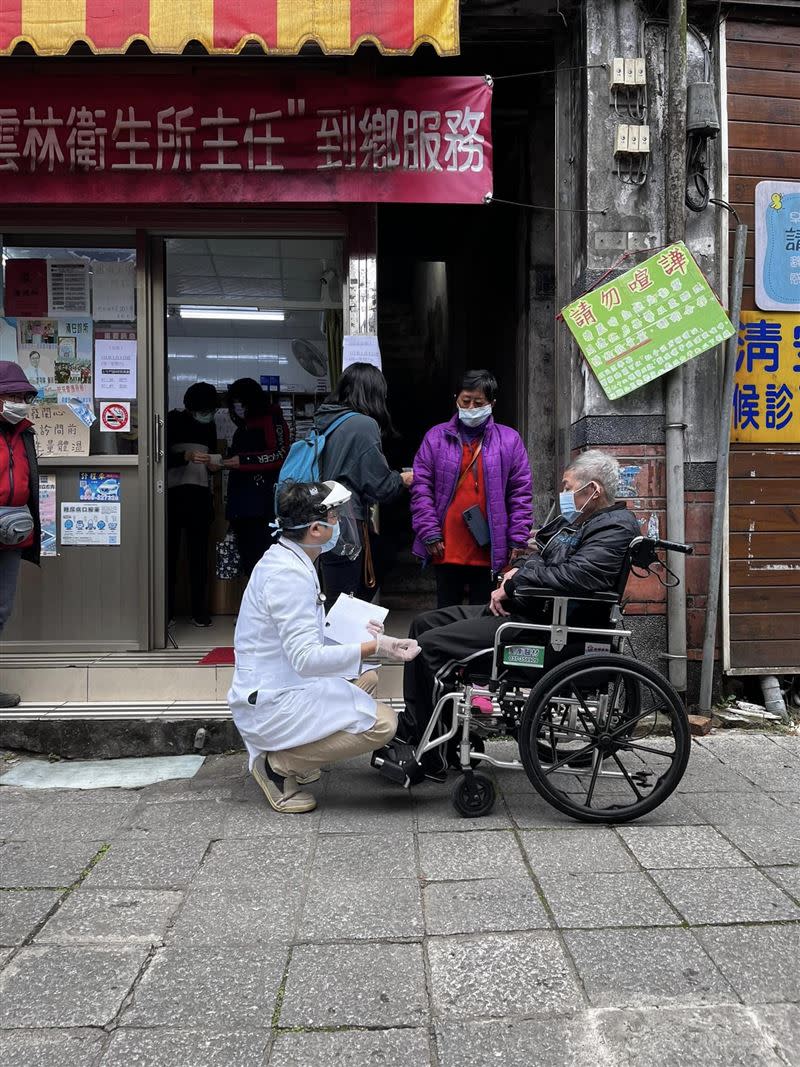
[[353, 455], [20, 532], [257, 452]]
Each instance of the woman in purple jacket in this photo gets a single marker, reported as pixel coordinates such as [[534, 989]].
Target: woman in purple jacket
[[471, 499]]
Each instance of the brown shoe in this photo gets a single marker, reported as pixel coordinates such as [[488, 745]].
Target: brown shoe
[[282, 793]]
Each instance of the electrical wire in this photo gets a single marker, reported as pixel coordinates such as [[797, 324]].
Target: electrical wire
[[490, 198], [550, 70]]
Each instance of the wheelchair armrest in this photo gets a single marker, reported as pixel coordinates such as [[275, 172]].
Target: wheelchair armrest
[[540, 593]]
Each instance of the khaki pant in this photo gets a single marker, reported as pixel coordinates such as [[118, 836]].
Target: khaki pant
[[341, 745]]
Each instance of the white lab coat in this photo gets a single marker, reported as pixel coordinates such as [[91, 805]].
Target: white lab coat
[[303, 692]]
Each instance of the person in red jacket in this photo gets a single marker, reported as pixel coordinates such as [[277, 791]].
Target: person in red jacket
[[19, 486], [258, 449]]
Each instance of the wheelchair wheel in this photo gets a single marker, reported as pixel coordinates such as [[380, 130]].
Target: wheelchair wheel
[[621, 751], [474, 795]]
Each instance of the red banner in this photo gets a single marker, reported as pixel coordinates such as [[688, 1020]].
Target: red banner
[[240, 139]]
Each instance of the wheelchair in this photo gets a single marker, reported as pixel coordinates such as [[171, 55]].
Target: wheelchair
[[602, 737]]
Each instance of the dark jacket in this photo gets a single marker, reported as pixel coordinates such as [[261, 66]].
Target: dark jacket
[[25, 431], [584, 558], [183, 428], [261, 443], [353, 455]]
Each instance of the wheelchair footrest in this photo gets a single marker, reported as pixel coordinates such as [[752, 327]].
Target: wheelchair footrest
[[396, 761]]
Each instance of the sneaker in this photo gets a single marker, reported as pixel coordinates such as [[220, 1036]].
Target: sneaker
[[282, 793], [9, 700], [201, 620], [307, 779]]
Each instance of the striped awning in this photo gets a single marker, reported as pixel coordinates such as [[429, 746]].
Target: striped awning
[[281, 27]]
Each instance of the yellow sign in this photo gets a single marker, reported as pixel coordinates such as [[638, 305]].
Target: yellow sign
[[766, 398]]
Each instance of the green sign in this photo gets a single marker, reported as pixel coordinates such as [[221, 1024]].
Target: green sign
[[523, 656], [648, 321]]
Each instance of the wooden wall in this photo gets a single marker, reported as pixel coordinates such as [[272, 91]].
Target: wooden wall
[[764, 570]]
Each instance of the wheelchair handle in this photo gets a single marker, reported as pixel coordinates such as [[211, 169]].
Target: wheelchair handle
[[674, 546]]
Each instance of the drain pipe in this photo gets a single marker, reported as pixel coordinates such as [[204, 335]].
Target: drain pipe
[[675, 425], [721, 483]]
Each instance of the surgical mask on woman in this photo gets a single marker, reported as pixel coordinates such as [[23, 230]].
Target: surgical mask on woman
[[475, 416], [203, 416], [15, 411]]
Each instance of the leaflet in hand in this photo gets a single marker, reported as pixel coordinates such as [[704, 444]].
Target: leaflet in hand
[[346, 622]]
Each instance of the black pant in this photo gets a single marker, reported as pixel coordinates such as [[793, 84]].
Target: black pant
[[252, 538], [189, 509], [453, 578], [341, 575]]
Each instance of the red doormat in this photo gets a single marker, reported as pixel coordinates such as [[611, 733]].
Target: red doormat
[[218, 657]]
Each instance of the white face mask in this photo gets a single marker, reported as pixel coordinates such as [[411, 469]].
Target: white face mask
[[15, 411], [475, 416]]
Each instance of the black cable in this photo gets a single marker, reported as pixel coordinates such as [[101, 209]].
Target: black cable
[[551, 70], [724, 203], [491, 199]]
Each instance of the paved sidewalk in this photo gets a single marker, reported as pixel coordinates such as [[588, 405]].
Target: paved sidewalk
[[186, 925]]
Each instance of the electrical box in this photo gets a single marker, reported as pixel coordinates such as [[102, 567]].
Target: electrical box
[[630, 72], [701, 110], [616, 73], [644, 140], [633, 139], [639, 72], [621, 139]]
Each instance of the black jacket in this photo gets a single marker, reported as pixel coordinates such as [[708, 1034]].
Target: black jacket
[[585, 558], [353, 455]]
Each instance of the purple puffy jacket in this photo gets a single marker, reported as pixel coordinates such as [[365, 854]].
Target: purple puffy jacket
[[506, 475]]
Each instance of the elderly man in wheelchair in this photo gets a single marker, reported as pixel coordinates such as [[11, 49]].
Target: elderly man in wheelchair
[[602, 737]]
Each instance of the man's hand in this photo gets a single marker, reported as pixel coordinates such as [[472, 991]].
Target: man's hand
[[231, 461], [435, 549], [196, 457], [397, 649], [496, 602], [408, 478]]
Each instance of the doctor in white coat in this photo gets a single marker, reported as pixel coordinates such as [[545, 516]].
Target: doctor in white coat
[[291, 697]]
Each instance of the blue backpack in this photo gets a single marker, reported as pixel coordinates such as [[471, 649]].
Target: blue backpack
[[302, 462]]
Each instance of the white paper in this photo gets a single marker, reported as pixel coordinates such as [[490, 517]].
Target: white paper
[[67, 287], [113, 287], [90, 524], [346, 622], [361, 348], [115, 369]]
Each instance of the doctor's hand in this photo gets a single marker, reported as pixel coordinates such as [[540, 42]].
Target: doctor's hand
[[397, 649]]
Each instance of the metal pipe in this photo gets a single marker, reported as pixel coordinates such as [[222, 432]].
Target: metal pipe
[[721, 483], [673, 388]]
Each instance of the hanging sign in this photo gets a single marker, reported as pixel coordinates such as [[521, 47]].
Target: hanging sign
[[115, 364], [25, 290], [59, 431], [210, 138], [67, 288], [360, 348], [777, 266], [113, 291], [47, 513], [648, 321], [766, 396]]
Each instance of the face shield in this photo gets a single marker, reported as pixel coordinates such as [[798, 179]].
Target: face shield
[[334, 508]]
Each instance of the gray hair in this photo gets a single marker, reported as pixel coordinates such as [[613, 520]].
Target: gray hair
[[597, 466]]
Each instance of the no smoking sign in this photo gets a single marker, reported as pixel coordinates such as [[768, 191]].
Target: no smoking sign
[[115, 416]]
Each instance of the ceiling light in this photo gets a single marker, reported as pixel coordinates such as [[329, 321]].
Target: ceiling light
[[208, 311]]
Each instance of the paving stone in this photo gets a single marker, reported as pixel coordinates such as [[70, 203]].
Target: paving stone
[[257, 819], [483, 905], [198, 1048], [254, 913], [675, 811], [500, 975], [267, 860], [375, 985], [663, 847], [345, 812], [782, 1025], [387, 1048], [191, 818], [626, 968], [713, 1037], [209, 987], [529, 812], [43, 863], [131, 863], [714, 778], [778, 843], [551, 1042], [362, 909], [17, 812], [485, 854], [438, 814], [363, 856], [105, 916], [44, 1048], [606, 900], [760, 962], [581, 849], [21, 911], [54, 985], [96, 820], [788, 878], [726, 896], [721, 809]]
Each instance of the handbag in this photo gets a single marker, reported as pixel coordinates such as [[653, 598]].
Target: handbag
[[16, 524], [229, 560], [473, 516]]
